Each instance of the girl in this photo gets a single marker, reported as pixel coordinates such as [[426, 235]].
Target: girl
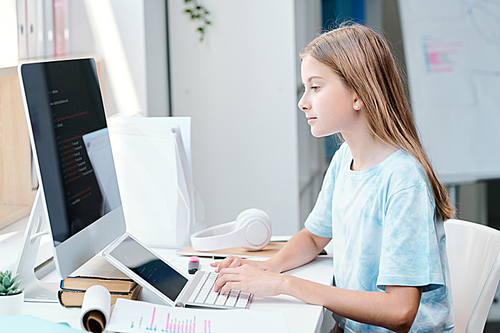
[[380, 200]]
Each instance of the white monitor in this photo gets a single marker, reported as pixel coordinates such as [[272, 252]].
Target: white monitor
[[78, 191]]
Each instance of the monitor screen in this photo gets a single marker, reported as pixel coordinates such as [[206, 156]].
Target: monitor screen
[[69, 134]]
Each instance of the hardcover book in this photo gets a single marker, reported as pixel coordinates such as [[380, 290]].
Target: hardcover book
[[98, 271], [74, 298]]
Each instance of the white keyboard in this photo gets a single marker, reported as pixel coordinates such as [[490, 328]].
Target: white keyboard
[[204, 294]]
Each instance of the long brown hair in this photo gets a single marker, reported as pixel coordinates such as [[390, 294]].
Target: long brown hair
[[363, 61]]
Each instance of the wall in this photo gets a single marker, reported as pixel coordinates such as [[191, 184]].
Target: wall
[[312, 162], [129, 16], [155, 22], [141, 24], [142, 28], [239, 86]]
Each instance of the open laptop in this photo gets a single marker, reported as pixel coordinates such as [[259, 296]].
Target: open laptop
[[163, 280]]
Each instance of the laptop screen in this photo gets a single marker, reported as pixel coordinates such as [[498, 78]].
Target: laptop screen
[[147, 265]]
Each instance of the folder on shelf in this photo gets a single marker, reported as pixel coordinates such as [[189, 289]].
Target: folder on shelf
[[22, 29], [48, 28]]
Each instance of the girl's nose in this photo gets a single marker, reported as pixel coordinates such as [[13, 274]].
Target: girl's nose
[[303, 104]]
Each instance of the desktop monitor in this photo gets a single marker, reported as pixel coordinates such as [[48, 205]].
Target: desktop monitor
[[78, 188]]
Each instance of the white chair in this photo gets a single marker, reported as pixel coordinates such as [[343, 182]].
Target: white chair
[[474, 259]]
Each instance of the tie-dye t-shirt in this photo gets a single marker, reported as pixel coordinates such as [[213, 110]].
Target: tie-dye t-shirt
[[384, 234]]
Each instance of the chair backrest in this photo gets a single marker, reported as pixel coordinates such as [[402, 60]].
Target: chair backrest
[[473, 255]]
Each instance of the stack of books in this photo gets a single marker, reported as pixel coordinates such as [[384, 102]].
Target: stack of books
[[96, 271]]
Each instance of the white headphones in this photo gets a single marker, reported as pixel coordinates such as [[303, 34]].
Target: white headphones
[[251, 230]]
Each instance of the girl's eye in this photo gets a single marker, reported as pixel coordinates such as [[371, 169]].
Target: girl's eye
[[315, 88]]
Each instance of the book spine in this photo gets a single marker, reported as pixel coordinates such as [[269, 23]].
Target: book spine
[[125, 293], [82, 283], [61, 302], [78, 301]]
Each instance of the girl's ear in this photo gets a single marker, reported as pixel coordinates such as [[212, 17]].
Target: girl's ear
[[358, 104]]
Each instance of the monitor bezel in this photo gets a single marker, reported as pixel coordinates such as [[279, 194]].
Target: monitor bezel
[[77, 249]]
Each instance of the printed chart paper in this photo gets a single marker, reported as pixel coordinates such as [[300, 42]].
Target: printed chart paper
[[134, 316], [452, 53]]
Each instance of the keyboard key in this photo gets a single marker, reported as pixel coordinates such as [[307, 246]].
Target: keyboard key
[[202, 296], [221, 300], [233, 297], [242, 300], [212, 296], [244, 295]]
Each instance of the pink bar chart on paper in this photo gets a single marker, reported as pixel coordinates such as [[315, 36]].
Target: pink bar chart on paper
[[442, 57], [141, 317], [167, 322]]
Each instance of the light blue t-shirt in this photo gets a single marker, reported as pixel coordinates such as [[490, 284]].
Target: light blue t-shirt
[[384, 233]]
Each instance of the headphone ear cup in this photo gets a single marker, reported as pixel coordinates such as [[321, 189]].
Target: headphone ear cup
[[242, 217], [257, 228]]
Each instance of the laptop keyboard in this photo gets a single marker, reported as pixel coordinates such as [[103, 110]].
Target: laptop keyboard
[[204, 294]]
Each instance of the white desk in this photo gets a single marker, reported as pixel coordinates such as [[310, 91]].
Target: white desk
[[299, 316]]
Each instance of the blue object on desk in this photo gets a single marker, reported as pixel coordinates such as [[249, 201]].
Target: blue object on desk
[[30, 324]]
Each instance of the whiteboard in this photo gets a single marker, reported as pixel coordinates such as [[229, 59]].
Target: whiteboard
[[452, 50]]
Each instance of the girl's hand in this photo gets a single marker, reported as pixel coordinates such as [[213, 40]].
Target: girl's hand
[[233, 262], [249, 279]]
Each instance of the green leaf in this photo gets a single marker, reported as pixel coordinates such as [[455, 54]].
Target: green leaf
[[14, 279], [187, 10], [2, 288], [6, 281], [16, 285], [208, 22]]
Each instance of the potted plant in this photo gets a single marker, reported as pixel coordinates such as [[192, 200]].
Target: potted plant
[[11, 297]]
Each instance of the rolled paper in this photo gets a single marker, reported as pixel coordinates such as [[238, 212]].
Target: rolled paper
[[95, 309]]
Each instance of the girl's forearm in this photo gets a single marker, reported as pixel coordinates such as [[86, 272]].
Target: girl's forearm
[[299, 250], [394, 309]]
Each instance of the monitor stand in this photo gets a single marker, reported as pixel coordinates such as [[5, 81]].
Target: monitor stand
[[35, 290]]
